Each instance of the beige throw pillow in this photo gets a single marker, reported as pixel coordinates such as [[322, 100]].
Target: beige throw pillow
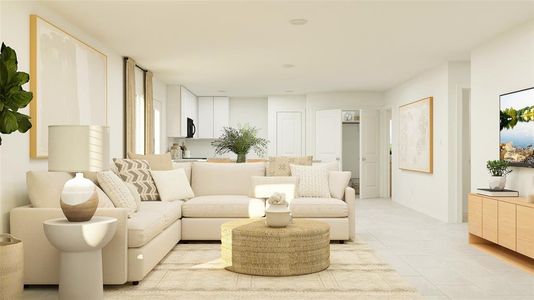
[[338, 181], [155, 161], [266, 186], [172, 185], [137, 172], [117, 190], [313, 180], [279, 165]]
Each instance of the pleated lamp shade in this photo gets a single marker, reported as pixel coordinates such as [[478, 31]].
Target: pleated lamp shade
[[78, 148]]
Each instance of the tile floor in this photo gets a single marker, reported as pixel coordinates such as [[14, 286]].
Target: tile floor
[[433, 256]]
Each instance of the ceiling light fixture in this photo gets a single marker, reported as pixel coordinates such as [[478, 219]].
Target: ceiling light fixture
[[298, 22], [288, 66]]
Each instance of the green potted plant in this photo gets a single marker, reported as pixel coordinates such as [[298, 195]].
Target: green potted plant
[[240, 141], [12, 98], [498, 170]]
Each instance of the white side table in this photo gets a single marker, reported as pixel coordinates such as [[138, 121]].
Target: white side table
[[80, 245]]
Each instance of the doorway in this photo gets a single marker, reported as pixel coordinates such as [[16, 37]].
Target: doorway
[[465, 149], [351, 147]]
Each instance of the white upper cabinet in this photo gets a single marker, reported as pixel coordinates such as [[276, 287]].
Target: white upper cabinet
[[205, 117], [189, 107], [221, 114], [174, 111], [213, 115]]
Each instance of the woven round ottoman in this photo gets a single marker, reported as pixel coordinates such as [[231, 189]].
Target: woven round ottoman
[[251, 247]]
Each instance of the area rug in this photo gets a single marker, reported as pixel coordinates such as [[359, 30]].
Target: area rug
[[195, 271]]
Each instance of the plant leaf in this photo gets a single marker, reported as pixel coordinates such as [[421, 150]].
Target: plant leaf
[[23, 122], [8, 122], [19, 99], [22, 78], [10, 59]]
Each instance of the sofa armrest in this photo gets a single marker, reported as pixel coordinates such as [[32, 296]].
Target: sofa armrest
[[350, 198], [41, 259]]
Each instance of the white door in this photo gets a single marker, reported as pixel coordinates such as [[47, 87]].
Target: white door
[[289, 133], [369, 143], [328, 135]]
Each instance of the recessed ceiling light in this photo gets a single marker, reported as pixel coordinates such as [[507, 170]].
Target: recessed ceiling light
[[298, 22], [288, 66]]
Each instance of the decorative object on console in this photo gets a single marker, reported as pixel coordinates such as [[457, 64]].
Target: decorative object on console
[[11, 267], [137, 172], [78, 148], [416, 136], [12, 96], [277, 213], [185, 152], [313, 180], [175, 151], [498, 170], [240, 141], [516, 126], [73, 80], [498, 193], [279, 165]]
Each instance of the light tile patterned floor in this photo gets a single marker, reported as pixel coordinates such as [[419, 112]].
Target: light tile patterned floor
[[432, 255]]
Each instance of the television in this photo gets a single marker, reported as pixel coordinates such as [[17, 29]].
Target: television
[[517, 128]]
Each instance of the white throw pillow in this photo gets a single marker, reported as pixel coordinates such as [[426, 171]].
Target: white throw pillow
[[135, 194], [172, 185], [313, 180], [117, 191], [338, 181]]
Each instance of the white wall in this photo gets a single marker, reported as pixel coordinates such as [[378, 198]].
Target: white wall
[[252, 111], [284, 104], [15, 157], [501, 65], [343, 101], [428, 193]]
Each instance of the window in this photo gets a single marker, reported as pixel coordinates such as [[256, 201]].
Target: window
[[139, 111], [157, 127]]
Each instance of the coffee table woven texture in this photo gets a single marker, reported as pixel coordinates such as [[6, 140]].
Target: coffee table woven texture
[[251, 247]]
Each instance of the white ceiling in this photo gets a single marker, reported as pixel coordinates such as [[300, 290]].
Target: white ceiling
[[240, 47]]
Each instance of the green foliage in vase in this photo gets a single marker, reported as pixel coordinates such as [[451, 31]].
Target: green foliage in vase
[[498, 167], [240, 141], [12, 96]]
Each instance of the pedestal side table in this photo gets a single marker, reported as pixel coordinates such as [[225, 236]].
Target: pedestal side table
[[80, 262]]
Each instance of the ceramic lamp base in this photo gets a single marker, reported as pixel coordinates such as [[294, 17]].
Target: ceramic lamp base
[[81, 212]]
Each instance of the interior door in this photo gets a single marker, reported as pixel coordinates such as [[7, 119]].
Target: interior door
[[289, 133], [328, 135], [369, 144]]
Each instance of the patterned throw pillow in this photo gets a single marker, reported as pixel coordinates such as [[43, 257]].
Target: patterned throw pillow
[[313, 180], [137, 172], [279, 165]]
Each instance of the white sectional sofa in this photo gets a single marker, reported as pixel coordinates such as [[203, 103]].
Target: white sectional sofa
[[222, 193]]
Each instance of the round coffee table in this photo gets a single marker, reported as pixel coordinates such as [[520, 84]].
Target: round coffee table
[[251, 247]]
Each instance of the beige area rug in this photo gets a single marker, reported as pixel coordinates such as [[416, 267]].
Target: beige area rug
[[195, 271]]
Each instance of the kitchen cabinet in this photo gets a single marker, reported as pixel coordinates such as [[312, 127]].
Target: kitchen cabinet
[[489, 220], [474, 214], [181, 104], [213, 116]]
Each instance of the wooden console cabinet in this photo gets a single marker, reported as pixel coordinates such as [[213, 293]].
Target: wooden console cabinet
[[504, 221]]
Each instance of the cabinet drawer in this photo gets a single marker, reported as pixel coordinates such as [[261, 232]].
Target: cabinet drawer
[[525, 230], [474, 215], [490, 212], [507, 225]]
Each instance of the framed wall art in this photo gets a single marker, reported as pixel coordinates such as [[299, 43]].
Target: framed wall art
[[68, 79], [416, 136]]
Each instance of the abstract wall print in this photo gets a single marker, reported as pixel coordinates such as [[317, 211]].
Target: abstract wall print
[[517, 128], [416, 136], [68, 79]]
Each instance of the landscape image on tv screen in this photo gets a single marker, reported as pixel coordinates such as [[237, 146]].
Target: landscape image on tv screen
[[517, 128]]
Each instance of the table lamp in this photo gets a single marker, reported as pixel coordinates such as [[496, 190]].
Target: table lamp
[[77, 149]]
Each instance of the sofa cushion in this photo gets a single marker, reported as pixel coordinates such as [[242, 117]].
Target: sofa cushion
[[224, 206], [150, 220], [338, 181], [313, 180], [224, 179], [279, 165], [318, 208], [157, 162], [172, 185], [118, 191], [183, 165]]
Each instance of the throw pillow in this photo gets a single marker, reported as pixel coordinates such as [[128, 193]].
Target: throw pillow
[[172, 185], [137, 172], [117, 191], [313, 180], [155, 161], [135, 195], [331, 165], [279, 165], [338, 181], [266, 186]]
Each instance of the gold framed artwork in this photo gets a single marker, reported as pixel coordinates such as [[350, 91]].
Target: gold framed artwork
[[416, 136], [68, 79]]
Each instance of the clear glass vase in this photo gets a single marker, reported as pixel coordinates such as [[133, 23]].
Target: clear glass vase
[[241, 157]]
